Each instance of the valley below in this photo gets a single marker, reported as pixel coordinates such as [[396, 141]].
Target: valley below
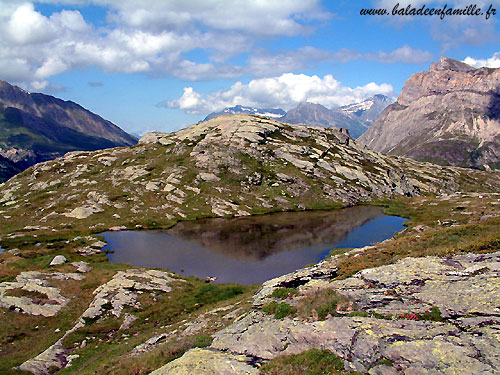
[[423, 301]]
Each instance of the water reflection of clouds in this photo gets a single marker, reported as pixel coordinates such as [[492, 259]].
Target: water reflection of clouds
[[277, 245]]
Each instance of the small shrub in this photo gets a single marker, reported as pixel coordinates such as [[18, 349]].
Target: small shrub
[[434, 314], [363, 314], [203, 341], [283, 293], [322, 303], [280, 310], [385, 361]]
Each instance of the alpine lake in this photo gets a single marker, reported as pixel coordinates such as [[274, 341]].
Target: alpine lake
[[251, 249]]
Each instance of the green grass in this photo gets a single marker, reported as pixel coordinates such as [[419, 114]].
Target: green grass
[[279, 310], [321, 303], [283, 293], [310, 362]]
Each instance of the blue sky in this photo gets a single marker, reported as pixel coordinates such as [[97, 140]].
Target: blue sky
[[165, 64]]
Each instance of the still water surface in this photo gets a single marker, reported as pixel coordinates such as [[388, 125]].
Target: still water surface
[[251, 249]]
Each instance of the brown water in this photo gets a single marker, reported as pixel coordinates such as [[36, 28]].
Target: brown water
[[251, 249]]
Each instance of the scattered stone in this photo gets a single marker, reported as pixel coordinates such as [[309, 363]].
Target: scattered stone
[[83, 212], [127, 321], [58, 259], [209, 177], [82, 267], [111, 298], [99, 244], [117, 228]]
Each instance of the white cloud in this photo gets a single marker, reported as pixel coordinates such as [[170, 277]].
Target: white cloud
[[404, 54], [150, 37], [264, 64], [285, 91], [256, 17], [492, 62], [26, 26]]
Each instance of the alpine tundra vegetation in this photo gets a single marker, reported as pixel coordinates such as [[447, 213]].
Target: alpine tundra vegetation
[[424, 301]]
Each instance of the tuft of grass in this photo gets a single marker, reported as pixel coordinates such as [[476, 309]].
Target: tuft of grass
[[279, 310], [434, 314], [283, 293], [385, 361], [321, 303], [211, 293], [311, 362]]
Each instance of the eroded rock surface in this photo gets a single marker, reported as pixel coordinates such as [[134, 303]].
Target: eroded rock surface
[[110, 299], [35, 295], [464, 338]]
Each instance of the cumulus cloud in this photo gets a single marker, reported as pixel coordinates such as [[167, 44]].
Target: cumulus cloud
[[257, 17], [404, 54], [263, 64], [150, 37], [285, 91], [492, 62]]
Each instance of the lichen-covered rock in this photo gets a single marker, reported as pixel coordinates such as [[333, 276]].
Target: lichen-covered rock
[[463, 339], [49, 301], [208, 362], [110, 298]]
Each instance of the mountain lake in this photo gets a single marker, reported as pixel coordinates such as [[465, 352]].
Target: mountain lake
[[251, 249]]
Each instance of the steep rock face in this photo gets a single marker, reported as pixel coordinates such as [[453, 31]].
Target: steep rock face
[[38, 127], [448, 115]]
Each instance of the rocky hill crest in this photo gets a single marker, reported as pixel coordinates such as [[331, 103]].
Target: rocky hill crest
[[230, 165]]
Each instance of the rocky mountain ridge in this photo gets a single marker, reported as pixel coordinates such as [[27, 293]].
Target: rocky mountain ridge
[[231, 165], [356, 118], [448, 115], [275, 113], [37, 127]]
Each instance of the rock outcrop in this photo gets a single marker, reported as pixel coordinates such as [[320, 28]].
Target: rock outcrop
[[395, 333], [449, 115], [110, 299], [232, 165]]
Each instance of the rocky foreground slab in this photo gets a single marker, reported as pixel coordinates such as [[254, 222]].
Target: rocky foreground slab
[[419, 316]]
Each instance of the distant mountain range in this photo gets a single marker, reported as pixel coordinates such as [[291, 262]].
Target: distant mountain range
[[272, 113], [37, 127], [356, 118], [448, 115]]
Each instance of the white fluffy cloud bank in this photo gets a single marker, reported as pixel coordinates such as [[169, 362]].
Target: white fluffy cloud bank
[[492, 62], [284, 91], [150, 37]]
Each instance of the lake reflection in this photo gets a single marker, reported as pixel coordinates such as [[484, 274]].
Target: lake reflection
[[252, 249]]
